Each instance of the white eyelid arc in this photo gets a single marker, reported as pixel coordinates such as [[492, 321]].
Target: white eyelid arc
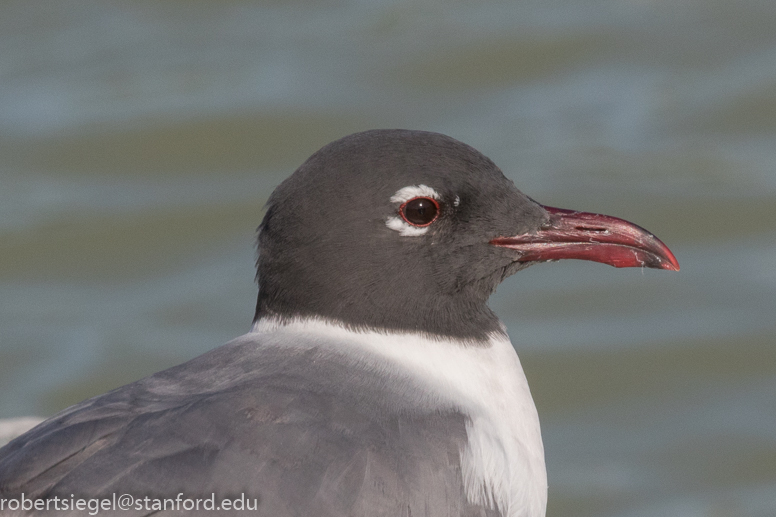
[[405, 194], [405, 230]]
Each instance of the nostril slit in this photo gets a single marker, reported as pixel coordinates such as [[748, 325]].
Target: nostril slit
[[591, 229]]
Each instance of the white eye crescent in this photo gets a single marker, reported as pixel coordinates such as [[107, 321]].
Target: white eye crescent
[[405, 194]]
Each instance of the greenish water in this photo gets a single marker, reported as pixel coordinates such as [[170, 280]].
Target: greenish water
[[138, 143]]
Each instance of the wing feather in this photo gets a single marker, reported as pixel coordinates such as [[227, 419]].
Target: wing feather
[[304, 433]]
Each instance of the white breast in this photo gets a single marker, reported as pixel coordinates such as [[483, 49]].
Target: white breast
[[503, 463]]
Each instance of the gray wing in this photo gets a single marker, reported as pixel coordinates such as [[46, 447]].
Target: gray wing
[[301, 432]]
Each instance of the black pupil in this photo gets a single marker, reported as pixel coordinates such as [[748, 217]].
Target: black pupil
[[420, 211]]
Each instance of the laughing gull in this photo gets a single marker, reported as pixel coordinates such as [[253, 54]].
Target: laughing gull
[[375, 380]]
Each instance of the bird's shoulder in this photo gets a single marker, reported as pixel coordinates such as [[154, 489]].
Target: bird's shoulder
[[297, 427]]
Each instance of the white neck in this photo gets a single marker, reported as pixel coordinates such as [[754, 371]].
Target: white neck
[[503, 463]]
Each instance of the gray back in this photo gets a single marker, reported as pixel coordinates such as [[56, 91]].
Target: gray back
[[304, 430]]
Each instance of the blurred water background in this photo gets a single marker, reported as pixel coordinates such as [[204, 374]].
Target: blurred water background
[[140, 140]]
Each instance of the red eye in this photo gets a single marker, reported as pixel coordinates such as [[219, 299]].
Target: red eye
[[420, 211]]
